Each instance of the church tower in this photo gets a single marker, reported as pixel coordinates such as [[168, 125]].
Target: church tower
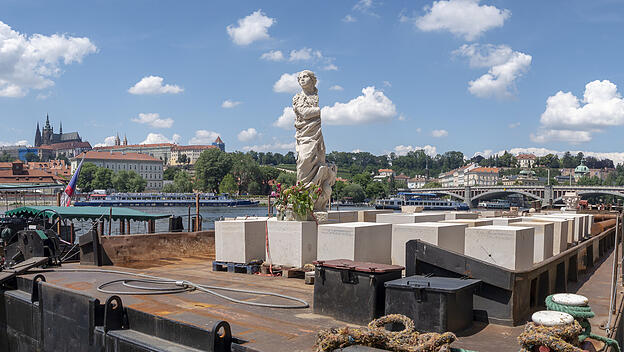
[[117, 141], [46, 136], [125, 141], [61, 128], [38, 136]]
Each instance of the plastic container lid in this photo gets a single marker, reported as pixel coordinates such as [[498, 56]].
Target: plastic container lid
[[570, 299], [365, 267], [551, 318], [434, 284]]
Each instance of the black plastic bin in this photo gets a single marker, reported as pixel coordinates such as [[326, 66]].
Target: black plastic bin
[[436, 304], [352, 291]]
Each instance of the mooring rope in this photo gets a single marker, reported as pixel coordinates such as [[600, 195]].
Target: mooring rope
[[581, 314], [560, 338]]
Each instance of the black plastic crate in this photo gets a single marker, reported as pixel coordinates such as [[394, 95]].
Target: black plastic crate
[[352, 291], [436, 304]]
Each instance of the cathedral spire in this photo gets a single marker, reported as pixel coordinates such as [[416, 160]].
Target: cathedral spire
[[125, 141], [37, 136], [61, 128]]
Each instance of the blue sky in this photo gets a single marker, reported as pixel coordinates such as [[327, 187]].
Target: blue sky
[[468, 75]]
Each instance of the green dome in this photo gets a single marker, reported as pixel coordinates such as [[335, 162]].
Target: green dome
[[581, 169]]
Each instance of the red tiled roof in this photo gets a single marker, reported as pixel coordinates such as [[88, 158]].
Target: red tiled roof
[[484, 169], [218, 140], [526, 156], [102, 155], [386, 170], [66, 145], [193, 147]]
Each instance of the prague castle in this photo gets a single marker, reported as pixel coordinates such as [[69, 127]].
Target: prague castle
[[48, 137]]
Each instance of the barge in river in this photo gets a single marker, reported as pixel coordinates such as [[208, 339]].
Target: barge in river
[[162, 200]]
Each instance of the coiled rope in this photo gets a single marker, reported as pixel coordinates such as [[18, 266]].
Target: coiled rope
[[560, 338], [374, 335], [581, 314]]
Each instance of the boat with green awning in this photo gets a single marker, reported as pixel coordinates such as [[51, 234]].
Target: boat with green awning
[[85, 213]]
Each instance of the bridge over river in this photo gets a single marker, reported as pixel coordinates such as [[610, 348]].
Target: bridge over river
[[548, 195]]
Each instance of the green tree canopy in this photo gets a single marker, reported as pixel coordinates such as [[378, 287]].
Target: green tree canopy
[[103, 179], [210, 168], [355, 192], [228, 185]]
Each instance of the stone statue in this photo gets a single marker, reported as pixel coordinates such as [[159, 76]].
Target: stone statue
[[571, 201], [311, 166]]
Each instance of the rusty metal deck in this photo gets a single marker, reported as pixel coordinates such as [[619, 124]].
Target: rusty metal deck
[[267, 329]]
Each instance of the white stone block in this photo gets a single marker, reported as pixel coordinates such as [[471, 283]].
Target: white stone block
[[577, 225], [510, 247], [458, 215], [240, 241], [503, 221], [403, 218], [444, 235], [543, 239], [471, 222], [292, 243], [358, 241], [590, 222], [371, 214], [343, 215], [560, 232]]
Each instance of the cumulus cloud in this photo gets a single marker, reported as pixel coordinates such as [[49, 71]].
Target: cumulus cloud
[[287, 83], [251, 28], [20, 143], [514, 124], [156, 138], [273, 55], [505, 67], [404, 149], [439, 133], [271, 147], [568, 118], [349, 19], [366, 6], [153, 120], [33, 62], [108, 141], [330, 67], [372, 106], [464, 18], [228, 104], [286, 119], [203, 137], [154, 85], [305, 54], [247, 135], [336, 87]]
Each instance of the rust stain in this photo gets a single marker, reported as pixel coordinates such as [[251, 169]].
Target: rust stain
[[80, 285]]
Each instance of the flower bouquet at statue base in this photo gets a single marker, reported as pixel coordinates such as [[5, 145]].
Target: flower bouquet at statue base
[[296, 203]]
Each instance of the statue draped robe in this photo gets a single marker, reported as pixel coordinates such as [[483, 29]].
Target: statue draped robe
[[312, 169]]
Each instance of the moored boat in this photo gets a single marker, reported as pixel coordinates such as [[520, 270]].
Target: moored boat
[[162, 200]]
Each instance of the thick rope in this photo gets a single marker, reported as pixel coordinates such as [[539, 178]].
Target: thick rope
[[581, 314], [561, 338], [375, 335]]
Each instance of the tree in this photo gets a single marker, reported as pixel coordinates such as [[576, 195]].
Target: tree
[[267, 173], [338, 190], [183, 159], [355, 192], [287, 179], [363, 179], [182, 182], [87, 174], [136, 183], [567, 161], [244, 169], [549, 161], [254, 188], [31, 157], [103, 179], [375, 190], [589, 181], [64, 158], [432, 184], [210, 168], [5, 157], [228, 185], [120, 181], [170, 173]]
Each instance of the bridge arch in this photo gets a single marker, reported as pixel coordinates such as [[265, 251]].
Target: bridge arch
[[593, 191], [488, 194], [447, 193]]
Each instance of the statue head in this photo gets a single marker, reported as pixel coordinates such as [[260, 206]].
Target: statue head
[[307, 80]]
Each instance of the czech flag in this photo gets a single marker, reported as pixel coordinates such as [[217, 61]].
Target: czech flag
[[71, 187]]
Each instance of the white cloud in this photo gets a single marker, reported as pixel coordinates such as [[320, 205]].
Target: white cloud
[[330, 67], [204, 137], [349, 19], [287, 84], [273, 55], [286, 119], [371, 106], [21, 143], [464, 18], [153, 120], [32, 62], [404, 149], [505, 67], [567, 118], [514, 124], [402, 117], [247, 135], [366, 6], [154, 85], [336, 87], [387, 84], [156, 138], [228, 104], [304, 54], [439, 133], [275, 146], [251, 28], [108, 141]]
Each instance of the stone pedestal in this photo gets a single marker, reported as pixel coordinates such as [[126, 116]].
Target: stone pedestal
[[341, 216], [444, 235], [576, 223], [471, 222], [240, 241], [510, 247], [543, 239], [371, 215], [590, 222], [357, 241], [409, 209], [560, 232], [402, 218], [458, 215], [292, 243], [503, 221]]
